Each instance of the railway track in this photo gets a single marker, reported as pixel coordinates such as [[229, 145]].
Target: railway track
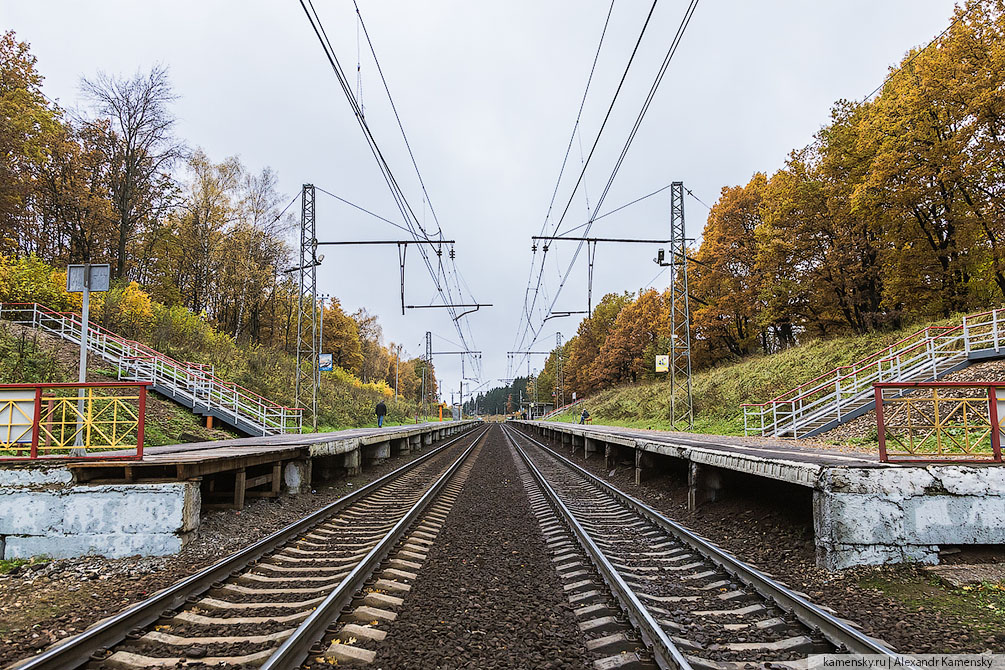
[[272, 603], [694, 605]]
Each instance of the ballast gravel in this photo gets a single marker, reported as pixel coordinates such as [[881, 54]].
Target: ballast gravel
[[488, 595], [774, 532], [43, 603]]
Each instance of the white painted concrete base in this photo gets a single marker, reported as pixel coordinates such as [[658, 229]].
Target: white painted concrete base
[[892, 515], [41, 512]]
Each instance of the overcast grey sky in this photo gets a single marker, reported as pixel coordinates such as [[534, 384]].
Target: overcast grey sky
[[488, 94]]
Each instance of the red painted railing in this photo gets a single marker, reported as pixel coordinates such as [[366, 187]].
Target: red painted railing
[[92, 420], [847, 390], [136, 361], [938, 422]]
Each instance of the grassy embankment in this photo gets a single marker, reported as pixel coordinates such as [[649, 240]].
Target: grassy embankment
[[29, 356], [719, 391]]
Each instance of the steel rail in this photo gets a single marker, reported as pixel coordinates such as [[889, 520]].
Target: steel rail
[[75, 651], [832, 628], [296, 648], [665, 652]]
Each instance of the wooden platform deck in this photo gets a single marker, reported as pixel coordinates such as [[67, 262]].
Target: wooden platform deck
[[255, 462]]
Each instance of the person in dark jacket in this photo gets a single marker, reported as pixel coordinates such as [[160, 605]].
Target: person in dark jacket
[[381, 413], [584, 417]]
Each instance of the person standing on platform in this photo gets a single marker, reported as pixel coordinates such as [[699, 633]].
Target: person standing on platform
[[381, 413], [584, 417]]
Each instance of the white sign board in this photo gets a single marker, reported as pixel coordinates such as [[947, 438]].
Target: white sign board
[[17, 416], [96, 276]]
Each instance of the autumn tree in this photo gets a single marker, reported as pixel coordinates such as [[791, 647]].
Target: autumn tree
[[341, 339], [725, 276], [144, 148], [584, 348], [28, 126], [639, 333]]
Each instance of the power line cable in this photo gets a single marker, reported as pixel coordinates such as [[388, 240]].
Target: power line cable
[[675, 43], [593, 149]]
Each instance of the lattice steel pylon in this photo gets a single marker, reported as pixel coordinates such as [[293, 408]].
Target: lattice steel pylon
[[681, 408], [307, 375], [559, 373]]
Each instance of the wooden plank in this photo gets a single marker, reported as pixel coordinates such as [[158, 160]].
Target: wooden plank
[[239, 489], [258, 481], [277, 477]]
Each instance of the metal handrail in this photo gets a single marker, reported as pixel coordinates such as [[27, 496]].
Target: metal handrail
[[921, 355], [139, 362]]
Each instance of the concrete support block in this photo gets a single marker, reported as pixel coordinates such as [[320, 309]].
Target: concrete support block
[[643, 460], [415, 442], [110, 545], [297, 476], [591, 446], [704, 484], [427, 438], [376, 453], [869, 516], [33, 476], [112, 520], [352, 461], [399, 446]]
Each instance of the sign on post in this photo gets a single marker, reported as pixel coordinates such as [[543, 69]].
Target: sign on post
[[84, 279], [326, 362], [89, 277], [662, 364]]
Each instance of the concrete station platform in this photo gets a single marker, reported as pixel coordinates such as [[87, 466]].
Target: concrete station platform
[[864, 512], [152, 506]]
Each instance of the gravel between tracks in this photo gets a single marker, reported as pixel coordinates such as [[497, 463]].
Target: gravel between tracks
[[42, 604], [778, 538], [487, 596]]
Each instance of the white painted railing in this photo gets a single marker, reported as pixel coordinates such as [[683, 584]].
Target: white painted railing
[[190, 383], [847, 390], [562, 409]]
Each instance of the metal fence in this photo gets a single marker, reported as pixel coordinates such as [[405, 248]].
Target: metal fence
[[847, 391], [940, 421], [194, 384], [94, 420]]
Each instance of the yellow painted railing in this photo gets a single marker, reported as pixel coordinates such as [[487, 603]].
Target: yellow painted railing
[[940, 421], [103, 420]]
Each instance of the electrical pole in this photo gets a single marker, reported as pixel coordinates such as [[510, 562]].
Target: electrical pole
[[682, 409], [560, 373], [397, 357], [306, 383]]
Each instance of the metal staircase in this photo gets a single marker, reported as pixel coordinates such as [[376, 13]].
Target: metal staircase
[[846, 392], [562, 409], [193, 385]]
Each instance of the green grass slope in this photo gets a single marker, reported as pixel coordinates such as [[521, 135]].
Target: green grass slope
[[719, 391]]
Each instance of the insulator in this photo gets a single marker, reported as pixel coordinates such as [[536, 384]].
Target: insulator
[[533, 247], [452, 253]]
